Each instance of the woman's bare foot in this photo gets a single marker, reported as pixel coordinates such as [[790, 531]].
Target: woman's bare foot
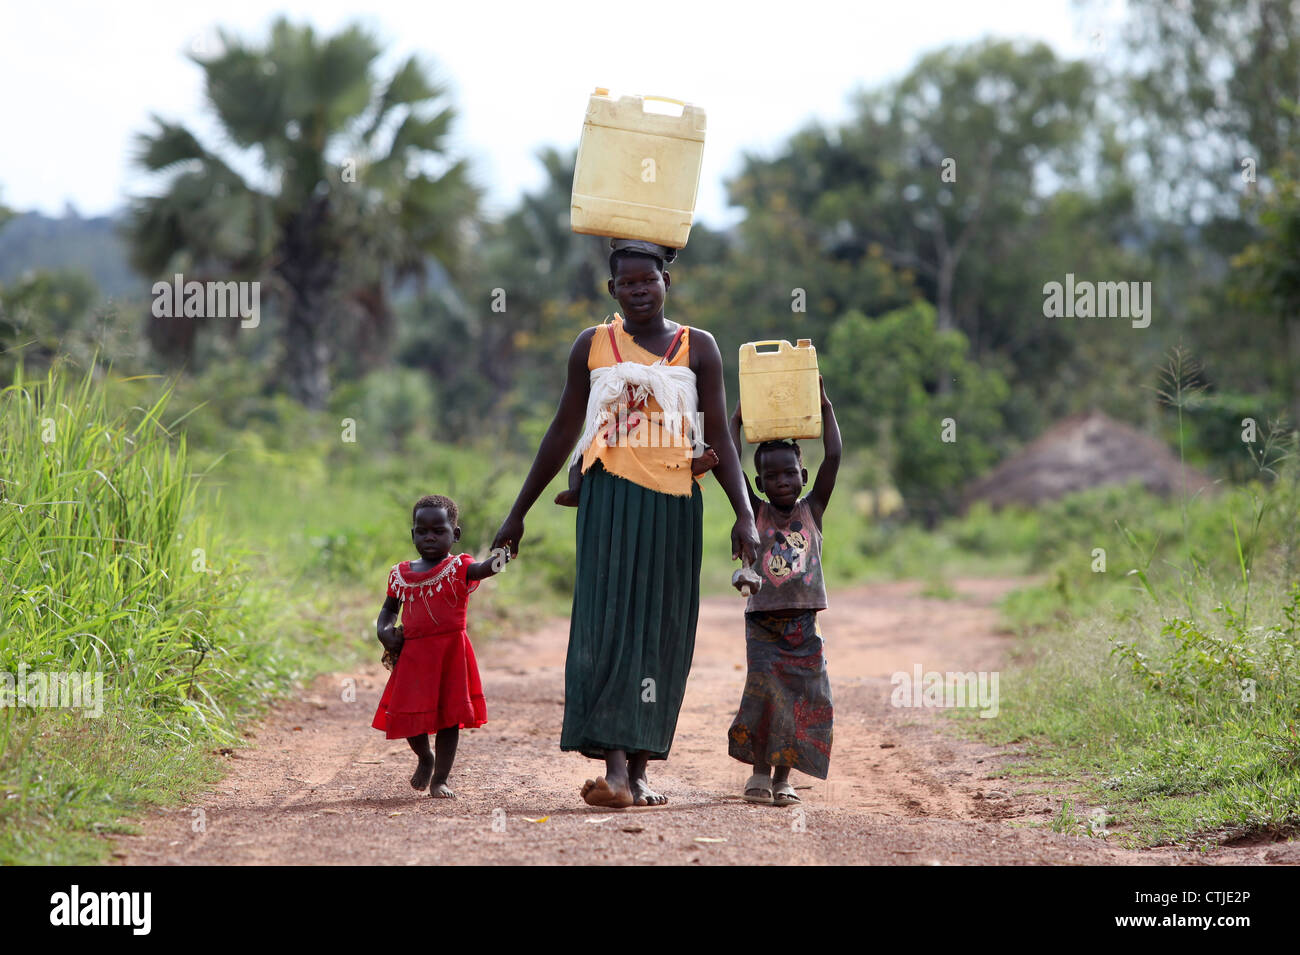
[[643, 795], [440, 791], [423, 772], [597, 792], [567, 498]]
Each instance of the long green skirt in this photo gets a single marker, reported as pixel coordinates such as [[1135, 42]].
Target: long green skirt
[[635, 606]]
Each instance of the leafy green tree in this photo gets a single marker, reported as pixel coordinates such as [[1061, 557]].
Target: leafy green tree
[[353, 189], [1211, 89], [885, 375], [535, 238], [973, 180], [1267, 283], [965, 138], [789, 271], [932, 169], [505, 314], [1204, 83]]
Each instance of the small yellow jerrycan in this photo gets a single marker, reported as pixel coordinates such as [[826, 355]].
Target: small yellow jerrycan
[[779, 395], [637, 172]]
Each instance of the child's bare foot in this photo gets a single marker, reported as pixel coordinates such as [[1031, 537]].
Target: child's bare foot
[[573, 495], [440, 791], [643, 795], [423, 772], [705, 462], [597, 792]]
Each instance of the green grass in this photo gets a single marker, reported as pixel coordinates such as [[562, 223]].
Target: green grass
[[1157, 667], [1152, 713], [108, 567], [1066, 821], [1166, 687]]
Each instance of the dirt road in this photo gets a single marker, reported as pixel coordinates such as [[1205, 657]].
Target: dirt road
[[318, 786]]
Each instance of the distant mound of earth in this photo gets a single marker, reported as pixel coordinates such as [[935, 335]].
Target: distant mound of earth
[[1080, 452]]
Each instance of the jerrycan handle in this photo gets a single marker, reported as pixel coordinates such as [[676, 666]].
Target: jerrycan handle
[[781, 345], [665, 99]]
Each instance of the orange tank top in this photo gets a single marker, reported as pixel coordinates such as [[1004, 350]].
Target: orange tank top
[[648, 453]]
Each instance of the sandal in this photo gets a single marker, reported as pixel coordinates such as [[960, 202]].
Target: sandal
[[761, 789], [783, 794]]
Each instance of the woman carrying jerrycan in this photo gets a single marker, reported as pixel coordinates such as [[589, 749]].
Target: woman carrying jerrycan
[[639, 524]]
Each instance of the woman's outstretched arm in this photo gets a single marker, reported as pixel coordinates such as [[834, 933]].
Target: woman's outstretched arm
[[713, 409], [556, 446], [737, 420]]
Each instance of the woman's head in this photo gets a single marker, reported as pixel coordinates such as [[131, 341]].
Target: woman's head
[[639, 282], [623, 247], [638, 278], [434, 526], [620, 254]]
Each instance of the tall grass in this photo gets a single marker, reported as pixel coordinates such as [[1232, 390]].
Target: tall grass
[[108, 567]]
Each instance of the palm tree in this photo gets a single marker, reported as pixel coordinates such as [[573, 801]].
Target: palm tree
[[568, 266], [353, 191]]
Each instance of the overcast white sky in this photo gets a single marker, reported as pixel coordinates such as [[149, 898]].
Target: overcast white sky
[[80, 79]]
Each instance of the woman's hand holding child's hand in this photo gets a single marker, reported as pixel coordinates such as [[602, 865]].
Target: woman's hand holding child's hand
[[744, 534], [744, 540], [510, 534]]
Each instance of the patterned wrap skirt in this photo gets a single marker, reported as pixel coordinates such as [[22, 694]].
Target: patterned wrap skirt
[[785, 713], [635, 606]]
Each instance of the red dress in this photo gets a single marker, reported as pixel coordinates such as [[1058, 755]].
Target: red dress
[[435, 683]]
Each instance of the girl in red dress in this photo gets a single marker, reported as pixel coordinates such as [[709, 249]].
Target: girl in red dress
[[434, 686]]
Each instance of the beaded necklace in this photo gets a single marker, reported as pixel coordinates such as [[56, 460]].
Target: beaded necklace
[[445, 573]]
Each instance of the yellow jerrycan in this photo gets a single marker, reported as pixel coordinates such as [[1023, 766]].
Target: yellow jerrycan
[[779, 395], [637, 172]]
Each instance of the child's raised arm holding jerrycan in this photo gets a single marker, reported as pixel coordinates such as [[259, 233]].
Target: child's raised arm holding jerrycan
[[785, 715]]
